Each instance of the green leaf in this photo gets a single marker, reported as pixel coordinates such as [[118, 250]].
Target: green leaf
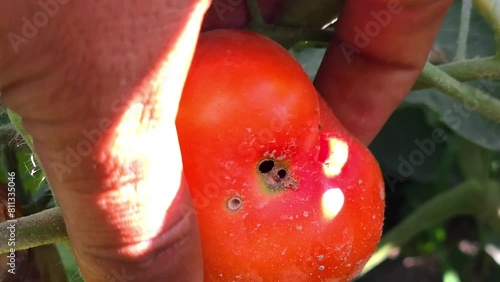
[[412, 154], [30, 172], [309, 58], [69, 262], [474, 161], [481, 38], [467, 123], [490, 9]]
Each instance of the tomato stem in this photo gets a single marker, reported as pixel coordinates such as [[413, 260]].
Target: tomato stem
[[17, 122], [477, 198], [8, 135], [290, 36], [255, 13], [43, 228], [303, 13], [464, 31], [469, 70], [284, 35], [474, 98]]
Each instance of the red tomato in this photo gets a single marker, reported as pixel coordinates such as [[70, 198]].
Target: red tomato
[[282, 191]]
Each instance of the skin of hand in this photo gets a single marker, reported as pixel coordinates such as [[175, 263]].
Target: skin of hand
[[98, 88], [97, 85], [387, 61]]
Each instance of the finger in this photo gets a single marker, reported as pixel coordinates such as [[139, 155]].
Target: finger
[[378, 50], [101, 107]]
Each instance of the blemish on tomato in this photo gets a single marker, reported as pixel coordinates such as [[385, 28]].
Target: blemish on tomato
[[276, 176], [332, 202], [338, 152], [235, 203], [270, 154]]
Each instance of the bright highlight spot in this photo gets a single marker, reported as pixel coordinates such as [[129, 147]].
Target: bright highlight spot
[[339, 151], [332, 202]]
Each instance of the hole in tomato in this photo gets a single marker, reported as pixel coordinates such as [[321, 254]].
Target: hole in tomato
[[235, 203], [266, 166], [276, 176]]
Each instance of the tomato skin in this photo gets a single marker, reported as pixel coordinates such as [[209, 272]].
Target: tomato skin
[[246, 101]]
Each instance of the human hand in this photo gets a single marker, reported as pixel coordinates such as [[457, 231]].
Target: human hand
[[111, 76], [97, 87]]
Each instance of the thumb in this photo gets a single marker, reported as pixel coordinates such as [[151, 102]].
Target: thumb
[[97, 87]]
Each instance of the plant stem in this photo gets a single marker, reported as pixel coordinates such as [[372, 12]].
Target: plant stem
[[463, 33], [289, 36], [17, 122], [310, 13], [255, 13], [481, 199], [286, 36], [470, 70], [474, 98], [8, 135], [40, 204], [34, 230]]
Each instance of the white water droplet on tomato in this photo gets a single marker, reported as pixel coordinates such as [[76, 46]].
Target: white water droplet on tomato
[[332, 202]]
